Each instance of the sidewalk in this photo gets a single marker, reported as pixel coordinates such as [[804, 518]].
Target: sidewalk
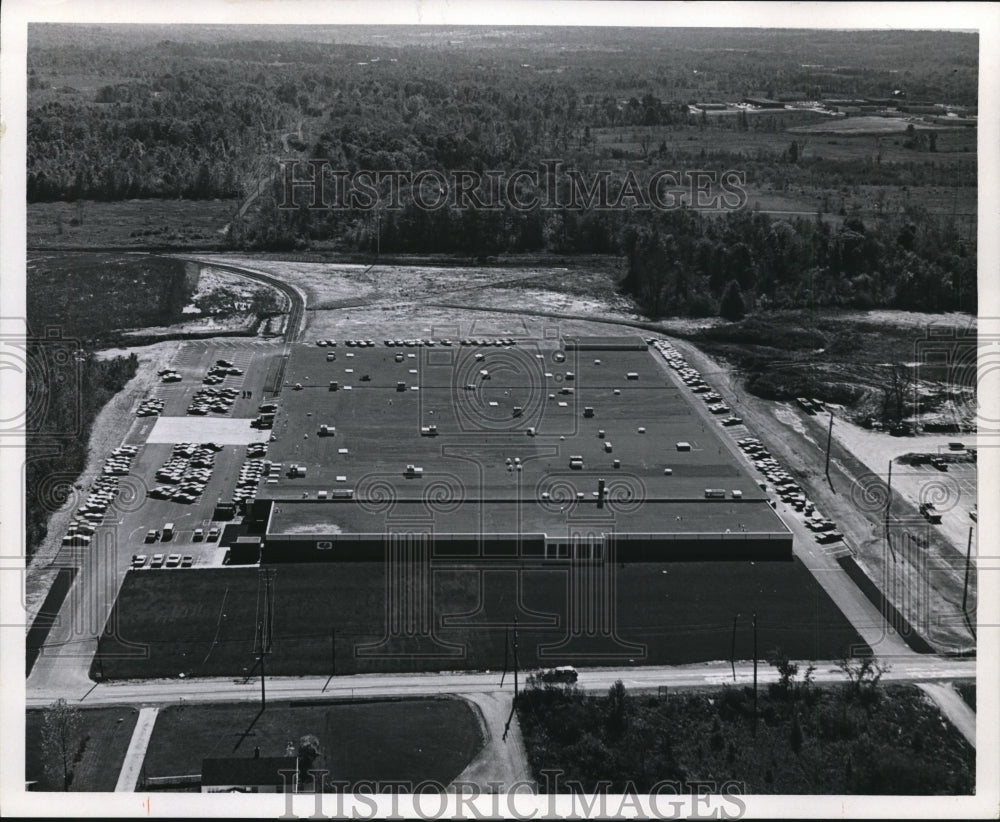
[[132, 766]]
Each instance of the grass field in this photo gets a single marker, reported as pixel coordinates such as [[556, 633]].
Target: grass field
[[203, 622], [104, 738], [138, 223], [94, 296], [411, 740]]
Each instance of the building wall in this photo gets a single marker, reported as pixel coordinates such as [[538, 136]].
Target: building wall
[[532, 549]]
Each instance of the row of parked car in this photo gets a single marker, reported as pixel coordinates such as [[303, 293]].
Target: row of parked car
[[788, 490], [159, 561], [102, 494], [119, 461], [693, 380], [151, 407], [214, 400], [254, 467], [218, 372], [186, 472]]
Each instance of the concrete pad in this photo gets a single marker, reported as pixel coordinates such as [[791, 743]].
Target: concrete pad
[[221, 430]]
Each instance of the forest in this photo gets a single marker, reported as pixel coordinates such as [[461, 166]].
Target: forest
[[185, 113], [796, 737]]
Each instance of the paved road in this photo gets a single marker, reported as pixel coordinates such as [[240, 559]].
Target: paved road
[[953, 706], [711, 674], [296, 297]]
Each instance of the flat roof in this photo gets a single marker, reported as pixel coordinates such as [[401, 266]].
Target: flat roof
[[470, 481], [262, 770]]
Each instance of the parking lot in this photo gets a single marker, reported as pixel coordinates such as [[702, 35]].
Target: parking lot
[[138, 509]]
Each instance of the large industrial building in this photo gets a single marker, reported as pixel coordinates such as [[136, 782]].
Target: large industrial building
[[529, 451]]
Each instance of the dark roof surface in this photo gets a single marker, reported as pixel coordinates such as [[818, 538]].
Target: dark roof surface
[[244, 770]]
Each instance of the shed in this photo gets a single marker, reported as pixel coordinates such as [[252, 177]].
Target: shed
[[250, 774]]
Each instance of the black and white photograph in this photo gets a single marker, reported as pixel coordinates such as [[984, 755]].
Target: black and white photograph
[[551, 410]]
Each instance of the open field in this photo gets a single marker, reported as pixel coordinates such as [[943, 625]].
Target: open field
[[846, 358], [104, 737], [130, 223], [853, 140], [203, 622], [872, 125], [95, 296], [359, 741]]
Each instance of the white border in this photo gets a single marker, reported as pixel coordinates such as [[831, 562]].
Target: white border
[[17, 13]]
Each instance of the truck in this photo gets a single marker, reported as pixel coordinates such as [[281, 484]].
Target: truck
[[168, 531]]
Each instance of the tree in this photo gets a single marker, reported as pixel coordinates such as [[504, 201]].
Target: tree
[[787, 671], [795, 735], [732, 307], [309, 752], [617, 718], [60, 741], [864, 675], [896, 392]]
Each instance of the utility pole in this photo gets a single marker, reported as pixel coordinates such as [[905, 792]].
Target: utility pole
[[264, 634], [965, 587], [829, 442], [515, 656], [513, 704], [888, 500], [263, 691], [333, 651], [732, 651], [506, 651], [755, 674]]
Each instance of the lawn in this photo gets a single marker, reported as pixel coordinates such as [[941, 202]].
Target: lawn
[[377, 740], [203, 622], [807, 741], [104, 738]]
